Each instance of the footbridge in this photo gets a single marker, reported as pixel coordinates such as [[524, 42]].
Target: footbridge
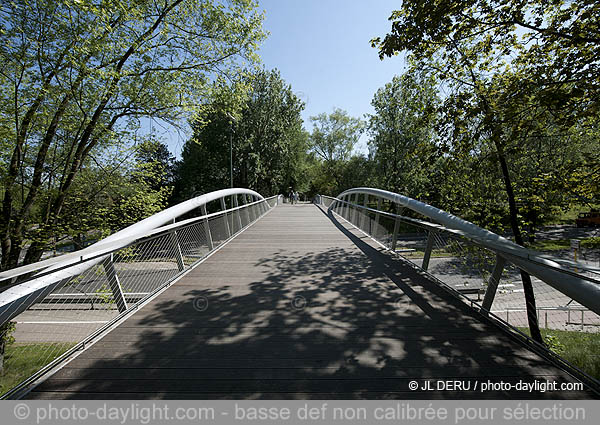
[[369, 294]]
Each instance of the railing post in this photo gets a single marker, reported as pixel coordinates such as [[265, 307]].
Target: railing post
[[264, 207], [251, 208], [207, 228], [114, 283], [261, 207], [224, 207], [348, 215], [365, 218], [258, 207], [490, 292], [246, 209], [377, 218], [428, 249], [177, 250], [239, 214], [395, 233], [248, 212], [354, 214]]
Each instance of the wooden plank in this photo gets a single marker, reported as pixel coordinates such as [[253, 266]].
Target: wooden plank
[[300, 307], [329, 385], [288, 373], [386, 395]]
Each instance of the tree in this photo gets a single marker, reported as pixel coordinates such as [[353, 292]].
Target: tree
[[269, 132], [527, 69], [6, 338], [334, 135], [402, 133], [556, 42], [111, 191], [267, 141], [156, 163], [481, 108], [333, 139], [79, 75]]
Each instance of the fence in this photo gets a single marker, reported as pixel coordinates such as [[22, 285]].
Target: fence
[[482, 267], [59, 305]]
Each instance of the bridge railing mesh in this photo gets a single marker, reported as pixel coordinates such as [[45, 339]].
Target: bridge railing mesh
[[467, 268], [117, 283]]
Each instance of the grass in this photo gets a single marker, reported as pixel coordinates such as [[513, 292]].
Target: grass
[[555, 245], [569, 216], [418, 253], [23, 360], [581, 349], [562, 244]]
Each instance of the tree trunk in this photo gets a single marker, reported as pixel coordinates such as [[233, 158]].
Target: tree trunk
[[2, 349], [532, 319]]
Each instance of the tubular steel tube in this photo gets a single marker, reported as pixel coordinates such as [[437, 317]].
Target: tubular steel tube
[[18, 298], [584, 291]]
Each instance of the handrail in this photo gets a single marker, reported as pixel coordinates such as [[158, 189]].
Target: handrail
[[82, 255], [532, 254], [583, 290], [55, 272]]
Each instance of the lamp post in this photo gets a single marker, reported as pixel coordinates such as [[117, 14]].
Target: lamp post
[[231, 121]]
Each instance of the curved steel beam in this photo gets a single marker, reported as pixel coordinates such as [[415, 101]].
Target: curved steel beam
[[18, 298], [585, 292]]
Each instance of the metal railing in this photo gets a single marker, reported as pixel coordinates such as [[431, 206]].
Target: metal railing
[[481, 266], [59, 305]]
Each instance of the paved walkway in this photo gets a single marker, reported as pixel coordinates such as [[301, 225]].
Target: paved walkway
[[299, 306]]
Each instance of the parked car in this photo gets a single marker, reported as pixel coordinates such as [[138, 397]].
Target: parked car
[[588, 219]]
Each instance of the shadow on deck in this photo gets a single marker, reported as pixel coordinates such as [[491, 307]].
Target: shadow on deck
[[300, 306]]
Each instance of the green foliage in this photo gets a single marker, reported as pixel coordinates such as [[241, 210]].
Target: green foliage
[[6, 334], [553, 343], [77, 78], [593, 243], [267, 138], [578, 348], [331, 142], [334, 135], [402, 134], [105, 294], [6, 339], [155, 164], [108, 196], [517, 103], [23, 360]]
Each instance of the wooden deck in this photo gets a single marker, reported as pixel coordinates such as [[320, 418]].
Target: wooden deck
[[300, 306]]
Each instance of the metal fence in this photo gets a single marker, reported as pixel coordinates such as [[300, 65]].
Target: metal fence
[[482, 267], [64, 303]]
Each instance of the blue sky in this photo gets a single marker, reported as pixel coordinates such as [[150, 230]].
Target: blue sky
[[321, 48]]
